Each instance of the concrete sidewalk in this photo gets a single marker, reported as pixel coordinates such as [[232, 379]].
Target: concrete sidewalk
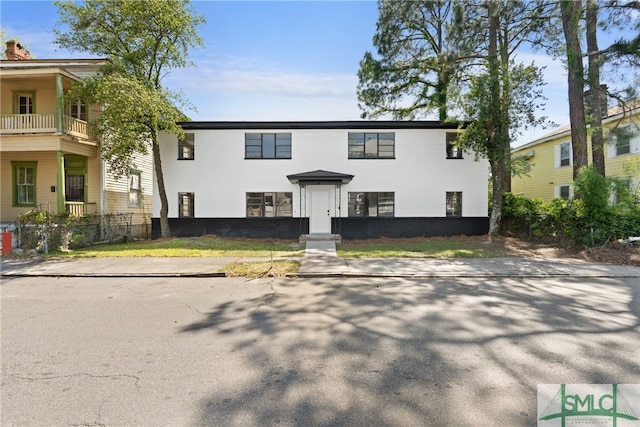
[[315, 266], [460, 267], [321, 261]]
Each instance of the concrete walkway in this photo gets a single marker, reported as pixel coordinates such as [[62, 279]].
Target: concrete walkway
[[320, 260], [320, 249]]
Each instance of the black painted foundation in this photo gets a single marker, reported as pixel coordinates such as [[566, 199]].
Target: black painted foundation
[[349, 228]]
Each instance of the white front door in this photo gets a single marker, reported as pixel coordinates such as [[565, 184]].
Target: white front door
[[320, 218]]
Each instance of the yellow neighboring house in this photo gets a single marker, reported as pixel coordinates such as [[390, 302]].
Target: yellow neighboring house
[[49, 159], [548, 170]]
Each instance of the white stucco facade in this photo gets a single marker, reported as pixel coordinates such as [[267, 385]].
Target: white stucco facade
[[419, 175]]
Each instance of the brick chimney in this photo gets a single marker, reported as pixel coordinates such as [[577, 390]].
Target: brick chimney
[[604, 101], [15, 51]]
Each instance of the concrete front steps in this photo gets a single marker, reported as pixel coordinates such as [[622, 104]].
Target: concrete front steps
[[320, 237]]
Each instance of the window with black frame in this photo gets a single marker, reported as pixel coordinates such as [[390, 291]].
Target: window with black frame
[[186, 147], [371, 145], [454, 203], [269, 205], [371, 204], [186, 208], [453, 151], [267, 146]]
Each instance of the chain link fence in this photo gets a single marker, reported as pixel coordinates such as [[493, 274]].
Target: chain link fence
[[45, 232]]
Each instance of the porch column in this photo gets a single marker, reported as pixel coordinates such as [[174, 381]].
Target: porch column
[[61, 199], [59, 104]]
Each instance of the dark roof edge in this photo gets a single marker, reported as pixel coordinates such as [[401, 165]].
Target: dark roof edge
[[354, 124]]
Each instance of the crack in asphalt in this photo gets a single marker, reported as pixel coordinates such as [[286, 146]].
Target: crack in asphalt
[[192, 308], [266, 300], [56, 377], [38, 315]]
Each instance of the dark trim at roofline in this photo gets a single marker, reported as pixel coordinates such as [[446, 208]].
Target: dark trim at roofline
[[354, 124]]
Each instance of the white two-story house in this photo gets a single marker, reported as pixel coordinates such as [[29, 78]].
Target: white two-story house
[[355, 179]]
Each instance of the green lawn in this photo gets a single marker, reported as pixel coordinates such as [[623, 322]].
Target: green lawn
[[412, 248], [213, 246], [202, 246]]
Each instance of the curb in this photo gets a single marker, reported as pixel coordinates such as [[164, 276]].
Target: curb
[[456, 276], [116, 275], [344, 275]]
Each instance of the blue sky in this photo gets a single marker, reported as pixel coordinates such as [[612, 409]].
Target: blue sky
[[269, 60]]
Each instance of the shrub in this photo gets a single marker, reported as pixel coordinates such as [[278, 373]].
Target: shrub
[[590, 220], [46, 231]]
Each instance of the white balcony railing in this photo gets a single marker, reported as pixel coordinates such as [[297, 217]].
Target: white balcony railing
[[75, 127], [41, 123], [81, 208]]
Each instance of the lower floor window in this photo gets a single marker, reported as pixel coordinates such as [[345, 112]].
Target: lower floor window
[[371, 204], [185, 205], [563, 192], [621, 189], [269, 204], [135, 189], [24, 183], [454, 203]]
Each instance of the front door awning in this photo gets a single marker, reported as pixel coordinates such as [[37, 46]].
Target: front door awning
[[319, 177]]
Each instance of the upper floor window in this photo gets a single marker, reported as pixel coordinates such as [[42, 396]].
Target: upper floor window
[[135, 189], [563, 154], [186, 147], [24, 183], [78, 110], [372, 145], [453, 151], [371, 204], [623, 141], [454, 203], [267, 146], [24, 102], [186, 204], [269, 204]]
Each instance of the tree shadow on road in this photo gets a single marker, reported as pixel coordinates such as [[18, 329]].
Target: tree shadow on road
[[417, 352]]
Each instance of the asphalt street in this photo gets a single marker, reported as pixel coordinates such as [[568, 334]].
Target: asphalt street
[[307, 352]]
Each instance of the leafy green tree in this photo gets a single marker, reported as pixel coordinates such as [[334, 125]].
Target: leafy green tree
[[143, 41], [624, 14], [502, 98], [597, 94], [607, 16], [457, 59], [571, 13], [415, 63], [3, 33]]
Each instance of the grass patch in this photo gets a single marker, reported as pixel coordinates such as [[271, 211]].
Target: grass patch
[[261, 269], [201, 246], [413, 248]]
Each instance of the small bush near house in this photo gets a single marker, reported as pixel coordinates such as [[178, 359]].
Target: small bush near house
[[48, 232], [589, 220], [42, 231]]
